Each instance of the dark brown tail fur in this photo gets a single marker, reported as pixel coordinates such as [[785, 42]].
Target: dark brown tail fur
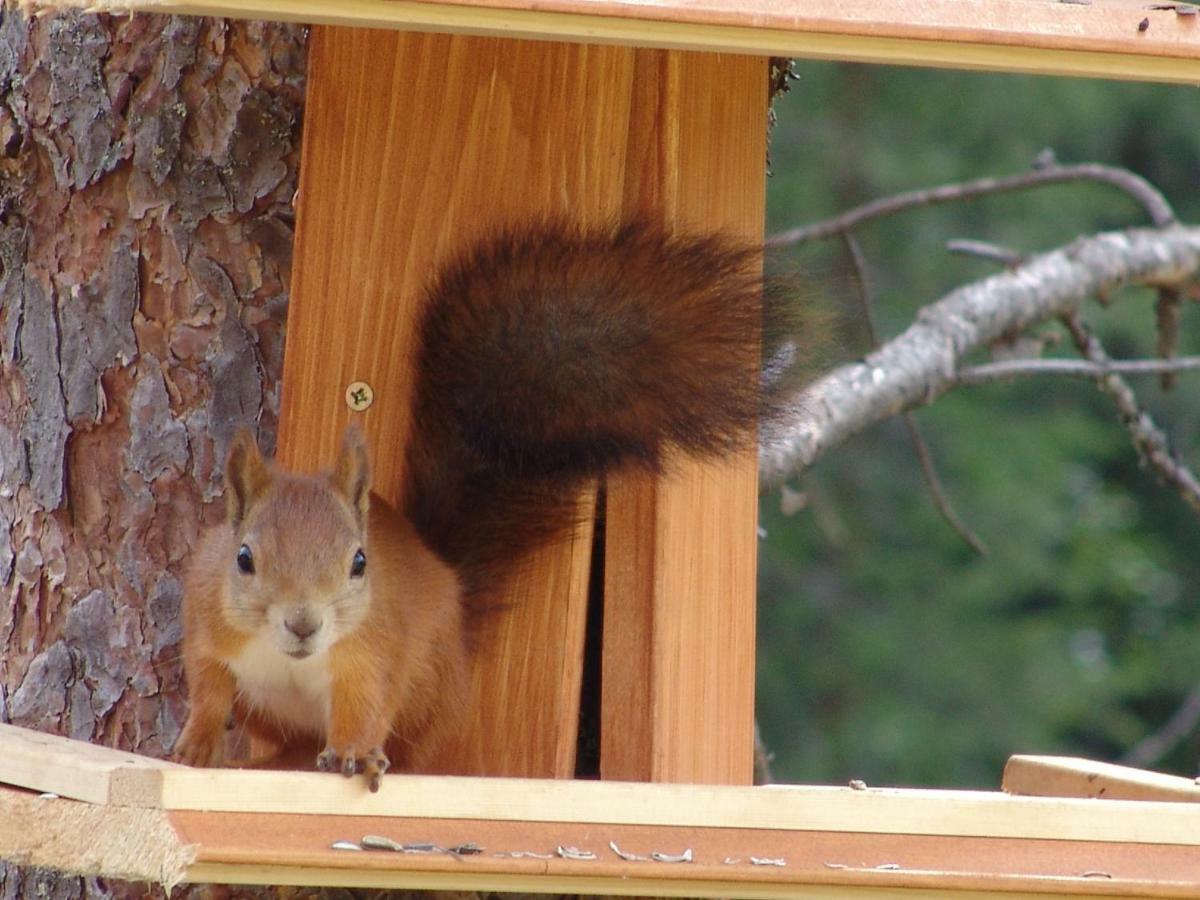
[[550, 355]]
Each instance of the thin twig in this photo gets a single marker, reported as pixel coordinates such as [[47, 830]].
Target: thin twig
[[1182, 723], [865, 297], [1168, 313], [928, 468], [1013, 368], [1155, 204], [986, 250], [937, 491], [1149, 440]]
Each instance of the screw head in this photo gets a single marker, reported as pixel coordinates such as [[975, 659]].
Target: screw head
[[359, 396]]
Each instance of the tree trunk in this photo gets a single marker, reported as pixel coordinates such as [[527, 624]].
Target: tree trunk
[[147, 169]]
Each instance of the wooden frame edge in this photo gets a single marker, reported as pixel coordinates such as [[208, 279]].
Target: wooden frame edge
[[586, 885], [875, 810], [577, 27]]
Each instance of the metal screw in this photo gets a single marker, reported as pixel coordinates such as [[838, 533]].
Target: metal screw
[[359, 396]]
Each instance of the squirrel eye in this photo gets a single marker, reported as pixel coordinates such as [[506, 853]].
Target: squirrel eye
[[359, 565], [245, 560]]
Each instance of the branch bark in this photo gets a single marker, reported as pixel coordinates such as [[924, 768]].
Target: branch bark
[[923, 362], [1147, 437]]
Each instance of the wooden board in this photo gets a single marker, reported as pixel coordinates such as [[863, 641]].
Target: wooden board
[[254, 827], [1059, 776], [680, 553], [1097, 39], [46, 762], [255, 848], [413, 144], [789, 864], [78, 767]]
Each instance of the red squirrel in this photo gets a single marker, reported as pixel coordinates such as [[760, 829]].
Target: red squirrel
[[546, 356]]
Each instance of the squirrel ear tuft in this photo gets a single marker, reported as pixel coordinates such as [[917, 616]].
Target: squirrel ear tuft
[[352, 472], [247, 476]]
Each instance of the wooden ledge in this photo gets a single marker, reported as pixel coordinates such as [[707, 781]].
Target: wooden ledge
[[179, 824], [1100, 38]]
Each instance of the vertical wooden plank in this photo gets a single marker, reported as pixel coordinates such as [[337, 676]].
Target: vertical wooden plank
[[678, 671], [412, 144]]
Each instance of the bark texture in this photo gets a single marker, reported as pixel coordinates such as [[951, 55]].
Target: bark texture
[[147, 169]]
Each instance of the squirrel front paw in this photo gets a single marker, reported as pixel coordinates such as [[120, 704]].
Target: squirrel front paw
[[373, 763], [198, 746]]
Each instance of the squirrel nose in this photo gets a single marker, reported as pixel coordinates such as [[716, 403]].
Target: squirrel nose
[[302, 624]]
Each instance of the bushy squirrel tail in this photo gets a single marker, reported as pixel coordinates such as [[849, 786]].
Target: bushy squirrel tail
[[551, 354]]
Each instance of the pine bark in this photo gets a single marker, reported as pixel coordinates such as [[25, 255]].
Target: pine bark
[[147, 170]]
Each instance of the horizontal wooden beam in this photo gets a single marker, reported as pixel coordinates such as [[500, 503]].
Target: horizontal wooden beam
[[1103, 38], [692, 861], [787, 808], [1062, 776], [170, 847], [777, 807], [250, 827]]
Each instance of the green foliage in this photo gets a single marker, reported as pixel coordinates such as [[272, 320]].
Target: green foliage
[[888, 650]]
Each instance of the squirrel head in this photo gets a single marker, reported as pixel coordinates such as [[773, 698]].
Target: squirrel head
[[298, 574]]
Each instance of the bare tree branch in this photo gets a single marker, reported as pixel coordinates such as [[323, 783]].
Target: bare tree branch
[[1014, 368], [923, 362], [1149, 440], [1144, 192]]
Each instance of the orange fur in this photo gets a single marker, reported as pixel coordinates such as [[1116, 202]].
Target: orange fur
[[546, 356], [388, 651]]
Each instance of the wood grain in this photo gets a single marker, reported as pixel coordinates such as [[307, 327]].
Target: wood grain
[[680, 553], [1100, 39], [834, 863], [1062, 776], [414, 144]]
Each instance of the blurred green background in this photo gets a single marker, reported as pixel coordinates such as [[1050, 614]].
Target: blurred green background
[[888, 651]]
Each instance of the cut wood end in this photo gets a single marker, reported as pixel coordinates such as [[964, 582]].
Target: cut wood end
[[81, 771], [84, 839]]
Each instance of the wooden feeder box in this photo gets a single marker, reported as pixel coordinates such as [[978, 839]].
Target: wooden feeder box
[[427, 124]]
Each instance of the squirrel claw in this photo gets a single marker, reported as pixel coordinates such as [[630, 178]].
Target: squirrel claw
[[328, 760], [373, 764]]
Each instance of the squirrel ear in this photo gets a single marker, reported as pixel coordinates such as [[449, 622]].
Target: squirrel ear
[[352, 473], [246, 476]]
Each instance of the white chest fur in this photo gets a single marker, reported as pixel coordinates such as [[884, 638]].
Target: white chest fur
[[294, 692]]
